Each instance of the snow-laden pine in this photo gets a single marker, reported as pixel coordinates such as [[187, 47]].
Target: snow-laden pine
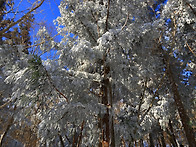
[[114, 68]]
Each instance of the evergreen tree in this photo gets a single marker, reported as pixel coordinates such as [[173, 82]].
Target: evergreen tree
[[120, 81], [13, 133]]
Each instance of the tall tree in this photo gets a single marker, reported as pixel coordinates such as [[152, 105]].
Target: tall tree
[[14, 31], [115, 82]]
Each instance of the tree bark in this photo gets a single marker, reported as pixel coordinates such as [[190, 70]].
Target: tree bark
[[161, 135], [151, 140], [112, 134], [181, 110], [105, 120], [108, 137], [6, 130], [173, 138]]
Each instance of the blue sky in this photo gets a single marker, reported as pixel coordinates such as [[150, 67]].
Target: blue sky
[[49, 11], [45, 14]]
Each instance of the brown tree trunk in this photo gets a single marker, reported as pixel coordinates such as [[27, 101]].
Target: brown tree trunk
[[173, 138], [105, 119], [161, 135], [80, 136], [61, 140], [10, 123], [151, 140], [106, 122], [112, 134], [141, 143], [181, 110]]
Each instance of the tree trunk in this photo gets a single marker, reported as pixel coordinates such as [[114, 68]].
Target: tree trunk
[[106, 94], [105, 119], [181, 110], [112, 134], [151, 140], [161, 135], [141, 143], [173, 138], [10, 123]]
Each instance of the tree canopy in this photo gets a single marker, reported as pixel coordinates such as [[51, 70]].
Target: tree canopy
[[126, 77]]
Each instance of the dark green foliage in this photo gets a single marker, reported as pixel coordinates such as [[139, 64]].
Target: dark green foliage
[[34, 65]]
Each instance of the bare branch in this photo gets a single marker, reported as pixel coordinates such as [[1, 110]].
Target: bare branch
[[80, 137], [191, 49], [125, 21], [194, 12], [61, 140], [107, 17], [17, 9], [10, 123], [5, 104], [23, 17]]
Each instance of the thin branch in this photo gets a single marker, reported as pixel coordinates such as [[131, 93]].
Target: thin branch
[[142, 96], [61, 140], [123, 142], [5, 104], [18, 12], [50, 80], [17, 8], [41, 43], [62, 116], [23, 17], [96, 20], [107, 17], [10, 122], [194, 12], [80, 137], [92, 92], [89, 32], [190, 49], [111, 95], [67, 139], [74, 139], [125, 22]]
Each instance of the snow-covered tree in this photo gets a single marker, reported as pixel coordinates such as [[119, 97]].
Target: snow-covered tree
[[120, 80]]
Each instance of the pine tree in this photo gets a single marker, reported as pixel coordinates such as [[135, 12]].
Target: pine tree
[[119, 81], [13, 132]]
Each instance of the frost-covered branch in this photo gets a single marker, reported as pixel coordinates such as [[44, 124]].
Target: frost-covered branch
[[50, 80]]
